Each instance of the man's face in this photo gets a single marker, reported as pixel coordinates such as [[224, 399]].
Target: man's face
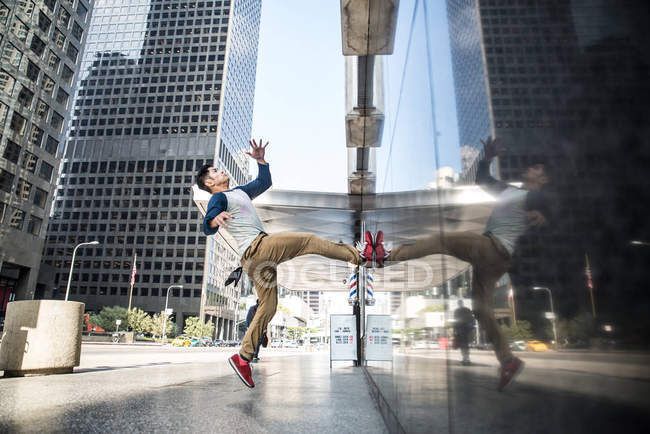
[[535, 174], [217, 178]]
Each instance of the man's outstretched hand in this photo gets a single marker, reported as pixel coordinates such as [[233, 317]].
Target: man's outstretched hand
[[257, 151], [491, 148]]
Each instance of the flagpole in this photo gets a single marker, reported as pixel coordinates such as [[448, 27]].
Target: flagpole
[[590, 285], [135, 257]]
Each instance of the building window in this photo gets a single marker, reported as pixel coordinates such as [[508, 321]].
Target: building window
[[11, 55], [63, 19], [43, 22], [36, 136], [19, 29], [37, 45], [82, 11], [62, 97], [67, 74], [53, 61], [50, 4], [25, 97], [34, 225], [18, 124], [6, 180], [57, 121], [16, 218], [4, 13], [23, 189], [72, 52], [40, 197], [32, 71], [27, 6], [42, 109], [58, 38], [77, 31], [12, 152], [51, 145], [7, 83], [48, 84], [46, 171], [29, 162]]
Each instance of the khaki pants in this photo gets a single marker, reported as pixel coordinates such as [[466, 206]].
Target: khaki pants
[[260, 263], [489, 263]]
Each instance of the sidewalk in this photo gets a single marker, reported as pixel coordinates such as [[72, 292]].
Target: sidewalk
[[152, 392]]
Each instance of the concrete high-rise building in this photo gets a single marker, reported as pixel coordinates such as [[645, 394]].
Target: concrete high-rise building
[[165, 87], [312, 298], [40, 45]]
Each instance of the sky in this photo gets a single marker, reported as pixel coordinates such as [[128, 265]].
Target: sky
[[300, 98]]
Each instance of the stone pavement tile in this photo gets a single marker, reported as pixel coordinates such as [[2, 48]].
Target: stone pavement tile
[[296, 393]]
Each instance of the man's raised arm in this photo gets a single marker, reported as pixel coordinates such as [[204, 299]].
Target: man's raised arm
[[483, 177], [263, 181]]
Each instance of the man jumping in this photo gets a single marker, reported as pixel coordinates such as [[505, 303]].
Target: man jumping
[[233, 210], [489, 253]]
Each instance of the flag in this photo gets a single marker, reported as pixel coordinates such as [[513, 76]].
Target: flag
[[134, 270], [590, 282], [511, 296]]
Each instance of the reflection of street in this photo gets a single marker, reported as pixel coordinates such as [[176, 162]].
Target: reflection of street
[[556, 392], [166, 389]]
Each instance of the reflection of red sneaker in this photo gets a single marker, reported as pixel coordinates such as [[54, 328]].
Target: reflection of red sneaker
[[367, 250], [243, 369], [509, 371], [380, 251]]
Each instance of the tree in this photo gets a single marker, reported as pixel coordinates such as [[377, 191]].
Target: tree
[[194, 327], [520, 331], [295, 333], [139, 321], [157, 325], [106, 318]]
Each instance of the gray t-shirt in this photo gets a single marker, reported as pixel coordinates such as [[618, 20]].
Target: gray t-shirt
[[508, 220], [246, 225]]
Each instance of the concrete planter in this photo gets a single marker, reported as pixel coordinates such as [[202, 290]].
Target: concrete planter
[[41, 337]]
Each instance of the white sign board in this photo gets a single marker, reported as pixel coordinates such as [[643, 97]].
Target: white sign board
[[549, 315], [343, 337], [118, 321], [379, 338]]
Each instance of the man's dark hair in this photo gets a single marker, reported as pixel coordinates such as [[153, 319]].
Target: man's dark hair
[[533, 160], [200, 177]]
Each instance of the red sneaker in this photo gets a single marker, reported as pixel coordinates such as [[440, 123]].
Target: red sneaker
[[243, 369], [380, 251], [367, 250], [509, 371]]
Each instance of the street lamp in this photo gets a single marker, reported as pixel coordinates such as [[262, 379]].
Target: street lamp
[[74, 252], [165, 312], [550, 297]]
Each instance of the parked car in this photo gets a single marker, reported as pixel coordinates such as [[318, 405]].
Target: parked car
[[217, 343], [181, 341], [518, 346], [534, 345], [290, 344], [205, 342], [276, 343]]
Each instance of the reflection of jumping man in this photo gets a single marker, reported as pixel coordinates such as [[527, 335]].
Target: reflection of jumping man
[[233, 210], [490, 253]]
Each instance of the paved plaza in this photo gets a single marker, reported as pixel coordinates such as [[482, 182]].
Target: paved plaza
[[138, 388]]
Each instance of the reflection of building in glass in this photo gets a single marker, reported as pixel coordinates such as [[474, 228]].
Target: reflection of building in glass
[[39, 51], [567, 80], [162, 84], [312, 298]]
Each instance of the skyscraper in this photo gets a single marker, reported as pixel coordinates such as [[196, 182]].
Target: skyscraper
[[166, 87], [40, 45]]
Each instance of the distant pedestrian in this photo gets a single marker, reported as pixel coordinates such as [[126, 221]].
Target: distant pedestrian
[[463, 327], [249, 319]]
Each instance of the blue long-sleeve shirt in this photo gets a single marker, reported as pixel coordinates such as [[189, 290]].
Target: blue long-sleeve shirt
[[246, 224]]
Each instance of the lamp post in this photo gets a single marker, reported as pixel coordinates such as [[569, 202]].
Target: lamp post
[[74, 253], [165, 312], [550, 297]]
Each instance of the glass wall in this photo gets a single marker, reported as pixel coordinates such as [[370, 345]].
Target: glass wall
[[513, 155]]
